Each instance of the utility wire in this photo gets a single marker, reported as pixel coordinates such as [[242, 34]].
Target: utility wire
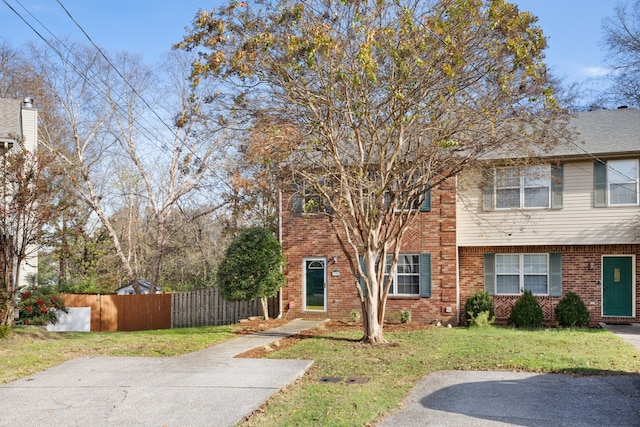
[[91, 83]]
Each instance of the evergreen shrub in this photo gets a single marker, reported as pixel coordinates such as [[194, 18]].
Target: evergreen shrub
[[572, 312], [478, 309], [526, 312]]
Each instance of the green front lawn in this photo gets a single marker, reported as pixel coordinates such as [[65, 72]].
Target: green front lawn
[[391, 369]]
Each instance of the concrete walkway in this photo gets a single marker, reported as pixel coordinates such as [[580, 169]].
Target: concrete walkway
[[204, 388], [630, 333]]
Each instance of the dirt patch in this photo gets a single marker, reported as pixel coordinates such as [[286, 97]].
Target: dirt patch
[[254, 325], [258, 325]]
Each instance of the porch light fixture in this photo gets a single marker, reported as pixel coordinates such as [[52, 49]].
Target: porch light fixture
[[592, 265]]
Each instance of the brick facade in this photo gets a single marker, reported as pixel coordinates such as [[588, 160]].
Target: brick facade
[[581, 274], [433, 232]]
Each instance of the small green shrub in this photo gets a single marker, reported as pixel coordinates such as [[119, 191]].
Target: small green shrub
[[479, 304], [481, 320], [5, 331], [526, 312], [571, 311], [404, 316], [355, 315]]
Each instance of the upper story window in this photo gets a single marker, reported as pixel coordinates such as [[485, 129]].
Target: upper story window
[[622, 177], [522, 187], [616, 183], [305, 200], [421, 202]]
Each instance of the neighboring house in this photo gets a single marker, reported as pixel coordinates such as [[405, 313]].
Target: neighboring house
[[144, 288], [19, 131], [571, 223]]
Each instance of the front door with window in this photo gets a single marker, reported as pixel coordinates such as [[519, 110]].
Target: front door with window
[[315, 291], [617, 286]]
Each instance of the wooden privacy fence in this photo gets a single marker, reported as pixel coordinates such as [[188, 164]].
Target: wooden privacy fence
[[111, 313], [204, 307]]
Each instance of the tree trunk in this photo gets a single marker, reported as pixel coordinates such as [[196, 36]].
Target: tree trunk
[[373, 327], [265, 307], [7, 309]]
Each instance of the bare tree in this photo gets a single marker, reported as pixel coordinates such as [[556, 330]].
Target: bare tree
[[622, 37], [126, 154], [376, 102], [28, 205]]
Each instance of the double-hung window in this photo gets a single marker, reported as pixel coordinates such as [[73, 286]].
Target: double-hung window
[[622, 182], [516, 273], [406, 277], [525, 187], [305, 200], [411, 277]]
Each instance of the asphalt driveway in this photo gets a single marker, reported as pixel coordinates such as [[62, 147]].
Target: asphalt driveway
[[473, 398]]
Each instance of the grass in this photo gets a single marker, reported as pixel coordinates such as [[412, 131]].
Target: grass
[[392, 369], [30, 349]]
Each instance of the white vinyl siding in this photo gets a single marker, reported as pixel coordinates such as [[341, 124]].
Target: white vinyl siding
[[578, 222]]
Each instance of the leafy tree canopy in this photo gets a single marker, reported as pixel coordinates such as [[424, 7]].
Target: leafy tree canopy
[[372, 103]]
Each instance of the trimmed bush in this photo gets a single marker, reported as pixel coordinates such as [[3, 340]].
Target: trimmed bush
[[5, 331], [526, 312], [478, 309], [404, 316], [572, 312]]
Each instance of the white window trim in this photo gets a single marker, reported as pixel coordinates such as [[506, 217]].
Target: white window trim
[[521, 188], [521, 274]]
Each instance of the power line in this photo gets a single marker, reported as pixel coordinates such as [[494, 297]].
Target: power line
[[98, 90]]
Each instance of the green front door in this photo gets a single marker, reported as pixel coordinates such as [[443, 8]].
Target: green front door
[[617, 286], [315, 284]]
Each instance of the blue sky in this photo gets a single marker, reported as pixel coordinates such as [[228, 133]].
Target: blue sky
[[150, 27]]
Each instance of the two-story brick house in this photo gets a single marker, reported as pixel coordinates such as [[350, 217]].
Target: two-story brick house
[[568, 223]]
